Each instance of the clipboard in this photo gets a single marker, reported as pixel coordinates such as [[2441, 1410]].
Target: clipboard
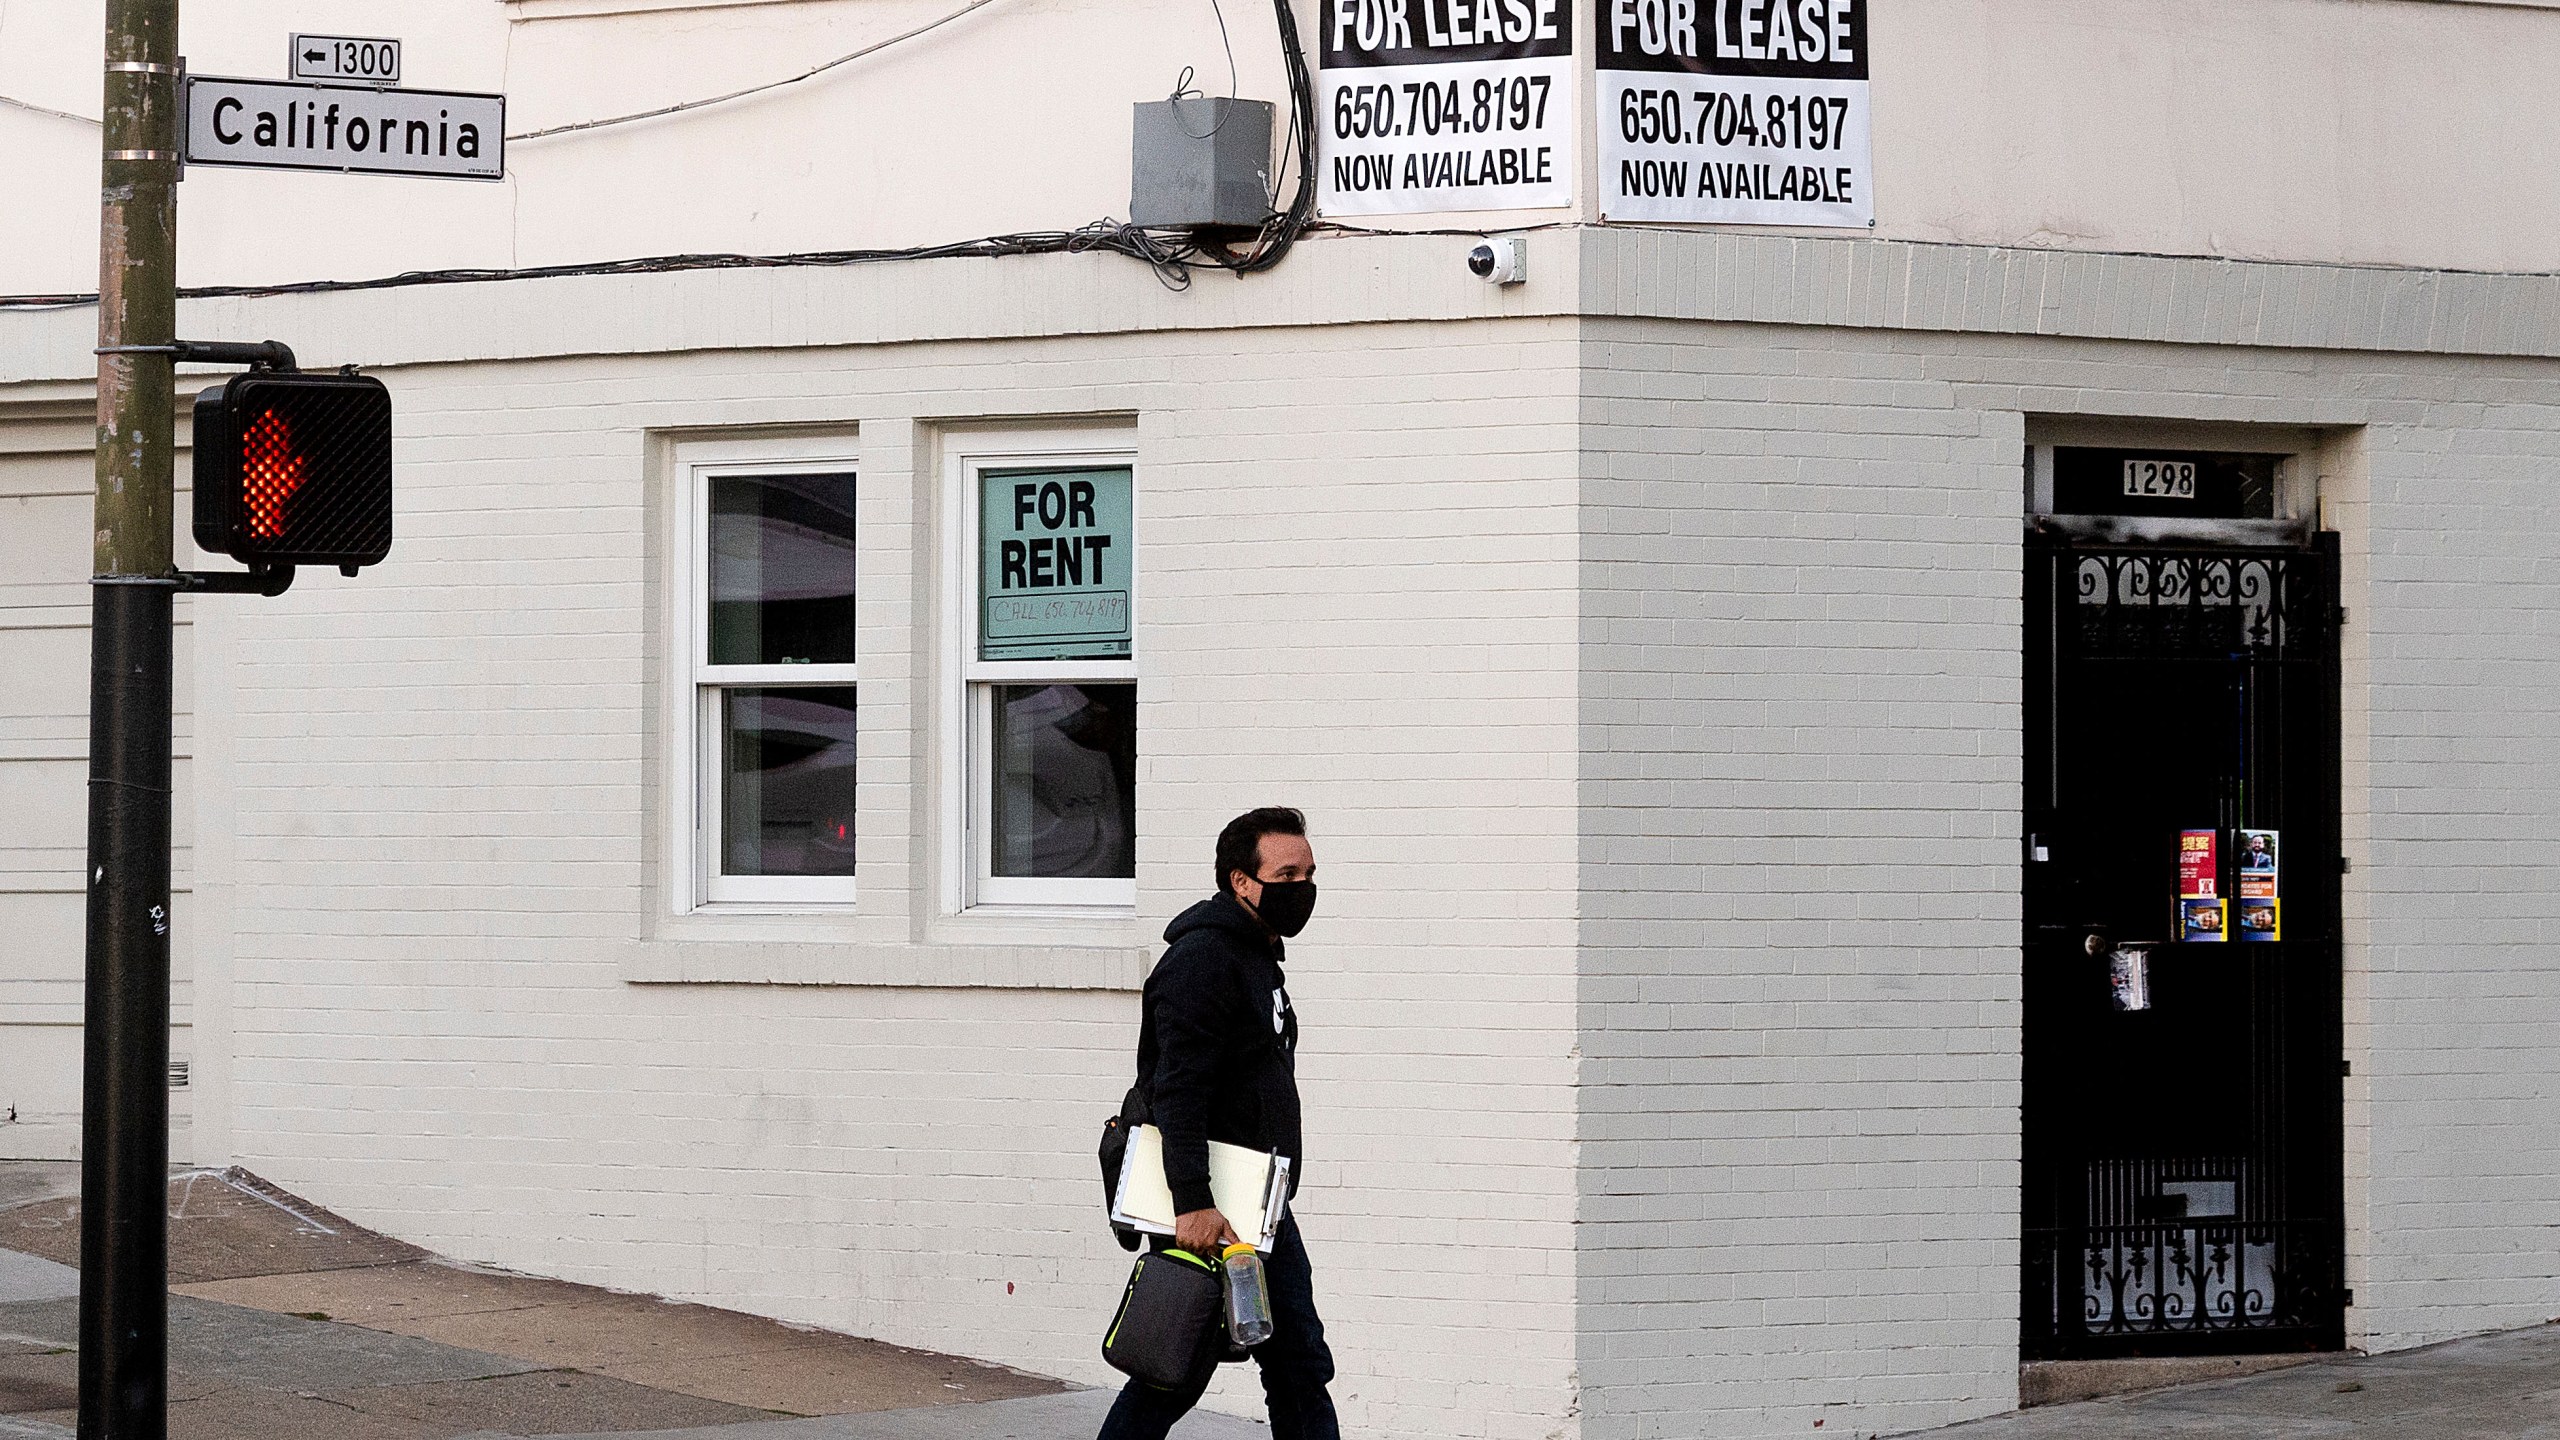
[[1249, 1187]]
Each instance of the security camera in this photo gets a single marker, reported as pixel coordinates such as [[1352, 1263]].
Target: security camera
[[1500, 259]]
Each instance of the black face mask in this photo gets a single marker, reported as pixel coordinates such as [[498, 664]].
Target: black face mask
[[1286, 904]]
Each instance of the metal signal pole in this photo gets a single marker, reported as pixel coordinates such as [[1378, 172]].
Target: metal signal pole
[[124, 1114]]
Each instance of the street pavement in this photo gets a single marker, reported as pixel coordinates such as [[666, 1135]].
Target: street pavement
[[290, 1323], [2489, 1387]]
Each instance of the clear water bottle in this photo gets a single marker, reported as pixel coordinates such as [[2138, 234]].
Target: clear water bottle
[[1248, 1298]]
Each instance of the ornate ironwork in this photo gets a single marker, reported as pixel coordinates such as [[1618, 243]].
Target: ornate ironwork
[[2199, 604], [2179, 1280], [2209, 1222]]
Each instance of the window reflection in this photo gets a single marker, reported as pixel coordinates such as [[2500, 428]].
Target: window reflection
[[1065, 797], [782, 570], [786, 784]]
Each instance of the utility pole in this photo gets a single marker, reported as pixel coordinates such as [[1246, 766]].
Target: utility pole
[[124, 1114]]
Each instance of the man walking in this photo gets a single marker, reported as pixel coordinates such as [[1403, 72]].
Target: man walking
[[1217, 1050]]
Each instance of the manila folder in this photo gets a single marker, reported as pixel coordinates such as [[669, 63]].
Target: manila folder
[[1250, 1187]]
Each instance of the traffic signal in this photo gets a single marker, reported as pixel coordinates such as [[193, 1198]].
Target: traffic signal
[[294, 469]]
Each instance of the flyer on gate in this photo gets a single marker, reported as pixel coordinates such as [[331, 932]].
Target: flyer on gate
[[2261, 915], [2260, 919], [2258, 854], [2199, 877], [2202, 921], [2202, 913]]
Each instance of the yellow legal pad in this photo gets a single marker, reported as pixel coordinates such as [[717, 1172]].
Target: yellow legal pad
[[1251, 1188]]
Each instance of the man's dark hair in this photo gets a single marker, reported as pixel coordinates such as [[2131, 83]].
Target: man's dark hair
[[1240, 844]]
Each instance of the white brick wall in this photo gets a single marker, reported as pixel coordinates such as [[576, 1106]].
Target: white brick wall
[[46, 484], [1644, 642], [1800, 784], [2460, 1075], [1355, 595]]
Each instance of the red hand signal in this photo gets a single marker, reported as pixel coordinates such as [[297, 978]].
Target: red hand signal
[[272, 471]]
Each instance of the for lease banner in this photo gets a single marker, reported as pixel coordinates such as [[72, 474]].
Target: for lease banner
[[1750, 112], [1431, 105]]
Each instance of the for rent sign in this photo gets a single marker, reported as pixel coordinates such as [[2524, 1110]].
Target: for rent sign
[[1445, 105], [1054, 555], [1735, 111]]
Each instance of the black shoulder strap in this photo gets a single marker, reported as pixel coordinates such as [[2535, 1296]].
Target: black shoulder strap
[[1138, 1107]]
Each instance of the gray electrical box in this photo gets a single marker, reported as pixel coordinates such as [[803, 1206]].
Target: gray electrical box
[[1201, 160]]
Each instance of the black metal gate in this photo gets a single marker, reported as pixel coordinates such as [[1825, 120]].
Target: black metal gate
[[2182, 1161]]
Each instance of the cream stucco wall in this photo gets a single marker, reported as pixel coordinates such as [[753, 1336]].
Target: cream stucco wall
[[2387, 132]]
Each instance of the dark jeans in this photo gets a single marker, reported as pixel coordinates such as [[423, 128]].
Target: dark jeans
[[1296, 1366]]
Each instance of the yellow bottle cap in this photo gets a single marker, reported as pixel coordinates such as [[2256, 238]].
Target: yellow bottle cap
[[1235, 1250]]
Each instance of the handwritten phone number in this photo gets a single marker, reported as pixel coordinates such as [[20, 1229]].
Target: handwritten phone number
[[1774, 122], [1426, 107], [1088, 609]]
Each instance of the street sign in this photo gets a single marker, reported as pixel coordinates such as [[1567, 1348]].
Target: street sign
[[363, 59], [354, 129]]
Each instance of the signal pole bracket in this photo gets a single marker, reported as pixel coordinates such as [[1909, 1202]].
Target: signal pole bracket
[[257, 354], [267, 580], [273, 355]]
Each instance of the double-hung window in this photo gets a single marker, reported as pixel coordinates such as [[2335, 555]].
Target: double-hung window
[[1049, 678], [772, 679]]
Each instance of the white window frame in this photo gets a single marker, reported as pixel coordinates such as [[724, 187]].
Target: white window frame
[[968, 733], [698, 849]]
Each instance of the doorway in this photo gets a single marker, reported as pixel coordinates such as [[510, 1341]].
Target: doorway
[[2183, 1139]]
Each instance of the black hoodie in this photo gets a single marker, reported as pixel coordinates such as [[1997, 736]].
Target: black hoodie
[[1218, 1044]]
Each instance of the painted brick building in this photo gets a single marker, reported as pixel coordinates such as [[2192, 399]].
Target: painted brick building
[[1660, 650]]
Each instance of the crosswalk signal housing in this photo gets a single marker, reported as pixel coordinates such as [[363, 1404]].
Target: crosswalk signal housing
[[294, 469]]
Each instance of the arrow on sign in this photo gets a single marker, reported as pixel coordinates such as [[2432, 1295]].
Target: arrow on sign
[[367, 59]]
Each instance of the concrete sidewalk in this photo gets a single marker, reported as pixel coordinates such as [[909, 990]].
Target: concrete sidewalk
[[2489, 1387], [290, 1323]]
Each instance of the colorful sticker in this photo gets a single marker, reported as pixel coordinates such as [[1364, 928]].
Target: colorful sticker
[[2261, 919], [2258, 855], [2129, 978], [2198, 875], [2261, 914], [2202, 920]]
